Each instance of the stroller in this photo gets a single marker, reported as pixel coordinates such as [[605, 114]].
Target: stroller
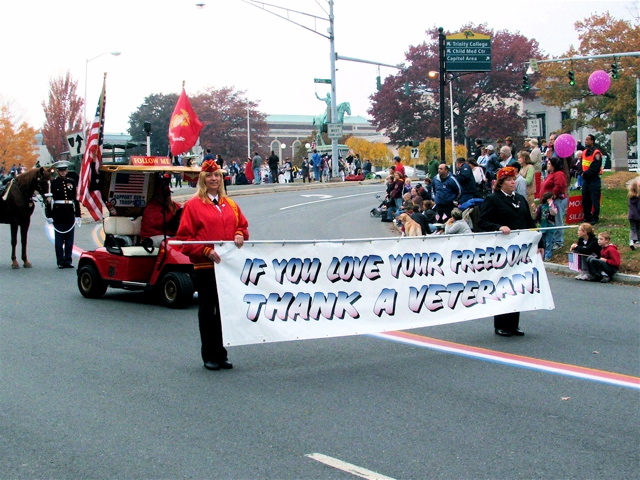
[[380, 210]]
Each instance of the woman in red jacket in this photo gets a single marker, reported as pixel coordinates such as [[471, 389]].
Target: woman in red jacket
[[210, 215], [556, 182]]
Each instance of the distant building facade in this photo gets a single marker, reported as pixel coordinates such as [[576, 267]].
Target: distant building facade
[[293, 130]]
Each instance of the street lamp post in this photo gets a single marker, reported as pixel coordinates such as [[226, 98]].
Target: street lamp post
[[442, 71], [248, 134], [86, 78]]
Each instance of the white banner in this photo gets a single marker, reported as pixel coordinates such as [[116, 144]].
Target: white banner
[[272, 292]]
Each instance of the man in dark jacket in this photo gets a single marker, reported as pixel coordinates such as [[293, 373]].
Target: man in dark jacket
[[468, 185], [64, 214], [446, 190], [274, 162]]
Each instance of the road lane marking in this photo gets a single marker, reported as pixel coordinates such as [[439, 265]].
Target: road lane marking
[[347, 467], [520, 361], [319, 196], [325, 200], [49, 233]]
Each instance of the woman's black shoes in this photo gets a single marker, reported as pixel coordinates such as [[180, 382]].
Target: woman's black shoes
[[224, 364], [508, 333]]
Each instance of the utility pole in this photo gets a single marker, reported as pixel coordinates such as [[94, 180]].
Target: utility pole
[[333, 111]]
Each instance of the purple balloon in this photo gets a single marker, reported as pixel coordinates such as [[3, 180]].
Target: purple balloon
[[565, 145], [599, 82]]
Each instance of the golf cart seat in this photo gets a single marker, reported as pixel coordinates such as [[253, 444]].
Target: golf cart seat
[[122, 235]]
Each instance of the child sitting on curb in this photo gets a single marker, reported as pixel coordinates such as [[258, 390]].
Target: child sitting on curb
[[604, 268]]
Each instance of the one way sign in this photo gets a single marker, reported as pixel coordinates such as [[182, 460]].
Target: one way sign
[[415, 153]]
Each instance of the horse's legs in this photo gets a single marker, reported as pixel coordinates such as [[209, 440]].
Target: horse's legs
[[14, 244], [24, 230]]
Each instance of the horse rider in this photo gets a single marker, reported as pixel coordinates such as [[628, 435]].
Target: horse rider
[[64, 213]]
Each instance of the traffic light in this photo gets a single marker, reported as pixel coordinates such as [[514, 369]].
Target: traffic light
[[572, 78], [614, 70], [525, 83], [407, 89], [379, 83]]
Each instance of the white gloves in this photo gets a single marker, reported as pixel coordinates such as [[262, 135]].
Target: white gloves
[[78, 222]]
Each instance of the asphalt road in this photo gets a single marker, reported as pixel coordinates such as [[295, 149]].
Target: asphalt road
[[114, 388]]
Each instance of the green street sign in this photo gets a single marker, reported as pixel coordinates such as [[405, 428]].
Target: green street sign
[[321, 80], [468, 52]]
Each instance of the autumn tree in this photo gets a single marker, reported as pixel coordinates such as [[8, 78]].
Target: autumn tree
[[63, 114], [616, 109], [376, 152], [223, 112], [156, 109], [485, 104], [17, 139]]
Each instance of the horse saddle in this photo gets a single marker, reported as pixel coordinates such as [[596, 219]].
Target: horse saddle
[[5, 185]]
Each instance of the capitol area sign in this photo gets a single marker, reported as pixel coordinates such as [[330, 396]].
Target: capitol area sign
[[468, 51]]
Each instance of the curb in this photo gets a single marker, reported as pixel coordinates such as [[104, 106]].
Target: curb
[[618, 278]]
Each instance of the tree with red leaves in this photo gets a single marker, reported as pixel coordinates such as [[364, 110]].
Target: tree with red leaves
[[63, 114], [486, 104]]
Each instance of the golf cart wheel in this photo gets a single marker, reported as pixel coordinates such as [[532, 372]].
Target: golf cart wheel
[[176, 290], [89, 282]]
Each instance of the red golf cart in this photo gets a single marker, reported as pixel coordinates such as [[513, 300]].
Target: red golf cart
[[127, 261]]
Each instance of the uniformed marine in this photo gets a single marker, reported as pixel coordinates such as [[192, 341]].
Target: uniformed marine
[[64, 212]]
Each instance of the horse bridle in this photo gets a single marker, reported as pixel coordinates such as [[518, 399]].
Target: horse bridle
[[40, 188]]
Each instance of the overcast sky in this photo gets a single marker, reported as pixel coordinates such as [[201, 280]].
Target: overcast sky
[[231, 43]]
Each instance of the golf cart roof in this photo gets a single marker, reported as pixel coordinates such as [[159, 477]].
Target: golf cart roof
[[148, 169]]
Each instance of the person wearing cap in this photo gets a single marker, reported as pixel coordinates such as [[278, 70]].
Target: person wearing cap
[[504, 211], [210, 215], [399, 166], [508, 142], [161, 216], [64, 213], [423, 192]]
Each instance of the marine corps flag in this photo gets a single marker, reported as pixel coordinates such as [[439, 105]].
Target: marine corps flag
[[184, 127]]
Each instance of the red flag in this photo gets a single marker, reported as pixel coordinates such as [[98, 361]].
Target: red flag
[[89, 190], [184, 127]]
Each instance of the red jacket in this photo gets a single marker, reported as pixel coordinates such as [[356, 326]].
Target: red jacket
[[611, 255], [206, 221], [154, 220], [555, 182]]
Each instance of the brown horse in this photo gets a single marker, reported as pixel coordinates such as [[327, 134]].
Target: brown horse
[[17, 205]]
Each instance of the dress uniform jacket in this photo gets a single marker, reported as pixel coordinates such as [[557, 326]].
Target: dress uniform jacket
[[65, 207]]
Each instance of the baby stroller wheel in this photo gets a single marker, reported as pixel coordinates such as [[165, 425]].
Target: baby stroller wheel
[[374, 212]]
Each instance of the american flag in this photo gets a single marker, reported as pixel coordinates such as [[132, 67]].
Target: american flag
[[129, 183], [89, 193], [574, 262]]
